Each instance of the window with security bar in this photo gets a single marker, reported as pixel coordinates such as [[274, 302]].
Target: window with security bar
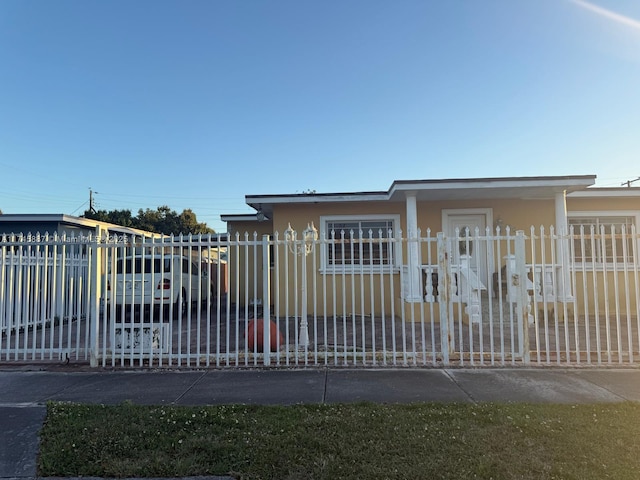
[[359, 242], [606, 239]]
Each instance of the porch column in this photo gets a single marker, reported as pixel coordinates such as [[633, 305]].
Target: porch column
[[413, 293], [563, 279], [561, 213]]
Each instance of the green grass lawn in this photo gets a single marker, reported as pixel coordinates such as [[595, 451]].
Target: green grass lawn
[[355, 441]]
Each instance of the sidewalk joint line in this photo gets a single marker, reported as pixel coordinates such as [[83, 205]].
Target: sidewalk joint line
[[326, 380], [615, 394], [468, 394], [188, 389]]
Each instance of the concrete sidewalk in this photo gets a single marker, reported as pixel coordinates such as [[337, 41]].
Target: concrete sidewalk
[[23, 394]]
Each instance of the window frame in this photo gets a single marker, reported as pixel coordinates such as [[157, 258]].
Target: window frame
[[325, 239], [599, 215]]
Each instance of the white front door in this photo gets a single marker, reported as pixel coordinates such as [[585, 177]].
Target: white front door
[[465, 224]]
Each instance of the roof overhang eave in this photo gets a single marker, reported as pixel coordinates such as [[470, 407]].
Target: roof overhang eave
[[265, 203], [438, 190], [482, 188], [596, 192]]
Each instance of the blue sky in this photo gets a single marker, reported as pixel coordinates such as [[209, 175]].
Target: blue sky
[[194, 104]]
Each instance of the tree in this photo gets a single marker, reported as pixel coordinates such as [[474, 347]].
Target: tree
[[189, 220], [162, 220], [117, 217]]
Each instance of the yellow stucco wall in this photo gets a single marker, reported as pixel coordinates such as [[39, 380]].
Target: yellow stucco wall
[[620, 299], [518, 214], [244, 260], [429, 216], [577, 204], [606, 299]]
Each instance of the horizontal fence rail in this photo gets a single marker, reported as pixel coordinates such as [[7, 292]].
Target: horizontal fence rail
[[343, 298]]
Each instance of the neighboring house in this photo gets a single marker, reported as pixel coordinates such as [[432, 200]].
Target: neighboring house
[[60, 224], [359, 234], [66, 231], [52, 265], [68, 227], [46, 270]]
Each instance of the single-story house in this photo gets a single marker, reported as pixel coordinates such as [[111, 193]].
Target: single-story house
[[357, 261], [21, 226], [61, 224], [50, 262]]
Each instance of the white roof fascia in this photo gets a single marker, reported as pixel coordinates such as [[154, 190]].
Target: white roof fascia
[[311, 198], [44, 217], [598, 193], [550, 184], [490, 183], [248, 217]]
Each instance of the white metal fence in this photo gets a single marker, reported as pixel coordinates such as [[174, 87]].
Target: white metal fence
[[476, 298], [44, 297]]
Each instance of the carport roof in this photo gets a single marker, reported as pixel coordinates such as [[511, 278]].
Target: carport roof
[[439, 190]]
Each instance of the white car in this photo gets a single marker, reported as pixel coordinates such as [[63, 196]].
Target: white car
[[169, 284]]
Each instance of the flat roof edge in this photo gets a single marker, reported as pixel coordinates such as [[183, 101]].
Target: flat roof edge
[[606, 192], [492, 182], [317, 197], [240, 217], [74, 221], [401, 185]]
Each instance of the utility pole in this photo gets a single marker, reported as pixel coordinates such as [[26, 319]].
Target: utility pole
[[629, 182], [91, 208]]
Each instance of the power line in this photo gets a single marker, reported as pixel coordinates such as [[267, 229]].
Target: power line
[[629, 182], [78, 208]]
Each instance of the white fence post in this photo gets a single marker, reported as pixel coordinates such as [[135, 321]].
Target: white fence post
[[266, 300], [93, 315], [444, 299], [522, 301]]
